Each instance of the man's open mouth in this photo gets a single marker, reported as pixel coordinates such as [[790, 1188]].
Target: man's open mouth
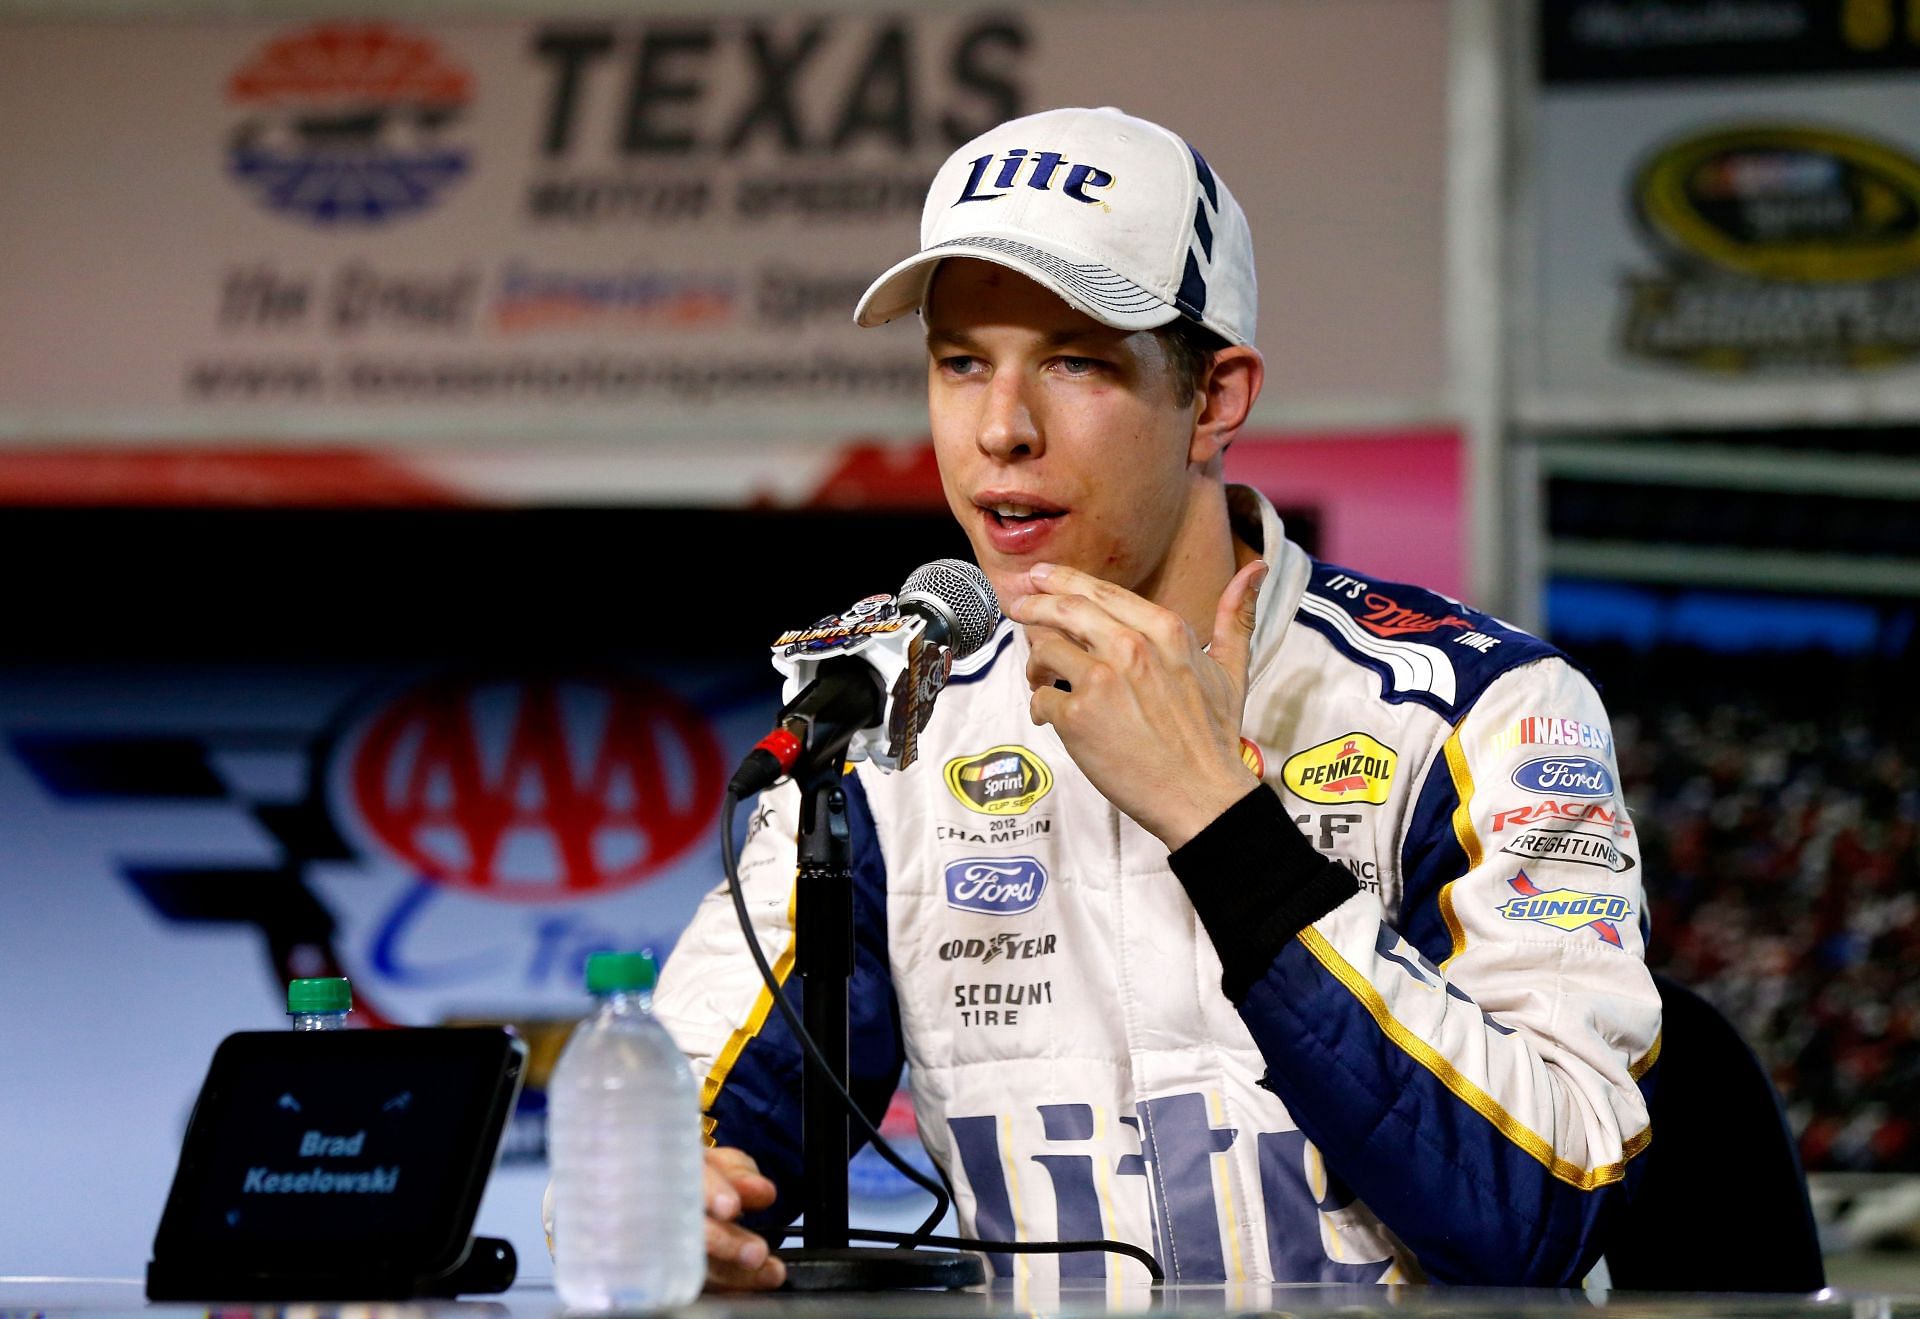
[[1012, 513]]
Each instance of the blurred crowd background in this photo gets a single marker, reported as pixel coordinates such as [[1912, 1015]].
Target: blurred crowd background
[[1779, 815]]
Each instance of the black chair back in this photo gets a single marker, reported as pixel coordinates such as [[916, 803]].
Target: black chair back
[[1721, 1204]]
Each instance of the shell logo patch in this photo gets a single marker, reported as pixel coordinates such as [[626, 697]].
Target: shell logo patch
[[1253, 758], [1567, 909], [1350, 768]]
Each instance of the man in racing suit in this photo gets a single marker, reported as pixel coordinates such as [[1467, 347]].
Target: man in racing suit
[[1310, 953]]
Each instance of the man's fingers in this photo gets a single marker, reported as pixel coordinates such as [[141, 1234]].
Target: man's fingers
[[1054, 657], [731, 1159], [732, 1246], [1100, 615], [722, 1200], [756, 1192], [1233, 620], [1072, 616], [734, 1182], [738, 1278], [732, 1267], [1048, 705], [722, 1197], [737, 1259], [1051, 580]]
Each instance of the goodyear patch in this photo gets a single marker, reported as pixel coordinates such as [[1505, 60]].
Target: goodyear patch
[[1350, 768], [1567, 909], [1002, 780]]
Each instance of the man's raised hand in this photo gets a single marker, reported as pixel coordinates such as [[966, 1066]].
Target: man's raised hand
[[1151, 718]]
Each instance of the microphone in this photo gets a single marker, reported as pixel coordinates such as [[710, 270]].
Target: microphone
[[860, 685]]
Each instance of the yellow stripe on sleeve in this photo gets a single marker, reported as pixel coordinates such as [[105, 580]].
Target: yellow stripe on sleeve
[[1463, 830], [1462, 1088], [741, 1037], [1645, 1065], [1463, 789]]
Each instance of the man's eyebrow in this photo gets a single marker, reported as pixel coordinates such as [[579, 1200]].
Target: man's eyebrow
[[950, 335], [1090, 335], [1102, 335]]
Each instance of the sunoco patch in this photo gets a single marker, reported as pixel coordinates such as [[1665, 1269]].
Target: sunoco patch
[[1567, 909]]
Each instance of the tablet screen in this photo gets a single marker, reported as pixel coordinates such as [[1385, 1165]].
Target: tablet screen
[[360, 1148]]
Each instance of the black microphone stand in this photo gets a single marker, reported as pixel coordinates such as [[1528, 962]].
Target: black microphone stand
[[823, 956]]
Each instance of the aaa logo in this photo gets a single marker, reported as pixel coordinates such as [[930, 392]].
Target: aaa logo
[[538, 790]]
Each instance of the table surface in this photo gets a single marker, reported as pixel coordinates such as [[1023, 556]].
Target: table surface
[[101, 1298]]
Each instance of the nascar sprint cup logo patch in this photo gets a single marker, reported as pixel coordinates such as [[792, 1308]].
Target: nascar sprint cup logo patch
[[996, 885], [1004, 780]]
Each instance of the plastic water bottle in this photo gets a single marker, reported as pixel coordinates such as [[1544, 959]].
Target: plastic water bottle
[[321, 1003], [629, 1218]]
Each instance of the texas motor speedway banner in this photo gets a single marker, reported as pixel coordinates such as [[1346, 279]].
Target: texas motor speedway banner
[[454, 230], [1724, 213]]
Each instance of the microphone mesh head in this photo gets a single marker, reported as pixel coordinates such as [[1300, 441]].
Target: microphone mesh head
[[961, 593]]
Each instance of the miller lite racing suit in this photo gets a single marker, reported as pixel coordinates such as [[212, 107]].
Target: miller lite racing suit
[[1385, 1019]]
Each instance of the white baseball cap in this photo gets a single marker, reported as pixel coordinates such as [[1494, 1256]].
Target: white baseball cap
[[1118, 216]]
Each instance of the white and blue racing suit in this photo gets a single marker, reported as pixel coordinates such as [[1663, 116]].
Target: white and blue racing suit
[[1386, 1019]]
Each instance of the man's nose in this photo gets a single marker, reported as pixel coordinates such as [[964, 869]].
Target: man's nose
[[1008, 427]]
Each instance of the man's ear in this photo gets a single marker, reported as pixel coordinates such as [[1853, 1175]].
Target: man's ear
[[1232, 384]]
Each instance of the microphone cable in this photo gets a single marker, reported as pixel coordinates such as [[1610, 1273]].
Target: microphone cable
[[923, 1235]]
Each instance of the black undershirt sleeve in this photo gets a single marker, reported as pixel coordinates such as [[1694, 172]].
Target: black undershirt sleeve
[[1256, 883]]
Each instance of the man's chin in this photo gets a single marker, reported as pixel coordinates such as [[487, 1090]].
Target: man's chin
[[1009, 584]]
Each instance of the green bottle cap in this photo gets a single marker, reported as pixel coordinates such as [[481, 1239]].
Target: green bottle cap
[[612, 973], [322, 994]]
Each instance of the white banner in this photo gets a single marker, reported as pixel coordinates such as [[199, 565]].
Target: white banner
[[503, 232], [1725, 218]]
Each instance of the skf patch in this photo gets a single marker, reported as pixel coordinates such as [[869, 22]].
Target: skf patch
[[1567, 909], [1350, 768], [1005, 780]]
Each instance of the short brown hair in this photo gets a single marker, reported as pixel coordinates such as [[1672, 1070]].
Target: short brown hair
[[1190, 347]]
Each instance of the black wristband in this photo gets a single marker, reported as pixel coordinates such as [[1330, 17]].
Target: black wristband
[[1256, 882]]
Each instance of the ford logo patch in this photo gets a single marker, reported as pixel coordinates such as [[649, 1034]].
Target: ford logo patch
[[1565, 776], [996, 885]]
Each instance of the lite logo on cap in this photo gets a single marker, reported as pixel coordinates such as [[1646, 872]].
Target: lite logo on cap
[[1120, 218], [1043, 166]]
